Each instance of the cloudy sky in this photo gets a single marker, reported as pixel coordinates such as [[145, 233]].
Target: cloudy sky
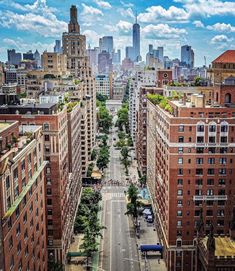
[[207, 25]]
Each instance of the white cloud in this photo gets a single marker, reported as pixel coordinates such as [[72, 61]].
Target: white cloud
[[127, 5], [127, 12], [122, 28], [158, 13], [20, 45], [37, 18], [103, 4], [221, 27], [208, 8], [221, 39], [92, 37], [89, 10], [198, 24], [46, 25], [162, 31]]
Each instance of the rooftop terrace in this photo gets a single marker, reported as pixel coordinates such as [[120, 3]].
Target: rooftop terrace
[[224, 246]]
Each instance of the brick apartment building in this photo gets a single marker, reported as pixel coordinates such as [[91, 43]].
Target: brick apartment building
[[141, 130], [62, 153], [190, 170], [22, 198]]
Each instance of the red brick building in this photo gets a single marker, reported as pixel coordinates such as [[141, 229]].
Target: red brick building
[[164, 77], [141, 131], [190, 167], [63, 186], [22, 198]]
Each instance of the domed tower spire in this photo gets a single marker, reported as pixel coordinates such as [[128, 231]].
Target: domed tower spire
[[73, 24]]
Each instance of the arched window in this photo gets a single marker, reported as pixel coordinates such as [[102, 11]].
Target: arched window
[[200, 127], [212, 127], [228, 98], [224, 127]]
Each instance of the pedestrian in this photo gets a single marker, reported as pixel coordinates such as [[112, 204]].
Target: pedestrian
[[158, 261]]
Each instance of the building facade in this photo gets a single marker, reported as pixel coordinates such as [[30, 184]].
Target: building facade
[[187, 56], [190, 164], [104, 85], [22, 196], [74, 47]]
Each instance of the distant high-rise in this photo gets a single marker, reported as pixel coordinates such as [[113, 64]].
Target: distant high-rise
[[130, 53], [28, 56], [13, 57], [136, 40], [37, 58], [187, 56], [106, 44], [160, 53], [104, 63], [57, 47]]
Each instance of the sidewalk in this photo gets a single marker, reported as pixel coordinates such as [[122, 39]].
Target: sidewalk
[[148, 235]]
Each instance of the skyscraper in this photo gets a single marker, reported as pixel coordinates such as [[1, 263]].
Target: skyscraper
[[74, 47], [13, 57], [57, 47], [136, 40], [187, 56], [106, 44]]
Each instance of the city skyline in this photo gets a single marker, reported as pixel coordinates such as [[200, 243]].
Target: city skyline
[[36, 24]]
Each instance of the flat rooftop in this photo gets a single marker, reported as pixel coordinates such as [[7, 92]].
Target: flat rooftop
[[224, 246]]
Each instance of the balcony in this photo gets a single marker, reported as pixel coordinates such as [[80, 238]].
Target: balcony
[[214, 197]]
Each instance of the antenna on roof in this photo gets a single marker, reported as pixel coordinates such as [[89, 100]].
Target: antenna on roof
[[136, 16]]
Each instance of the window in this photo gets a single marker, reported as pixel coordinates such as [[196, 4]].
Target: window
[[220, 213], [209, 213], [199, 161], [180, 150], [25, 217], [181, 128], [180, 181], [17, 212], [210, 181], [199, 181], [46, 137], [200, 150], [210, 192], [221, 192], [223, 150], [212, 128], [180, 160], [46, 126], [199, 171], [180, 139], [200, 139], [198, 192], [26, 234], [15, 173], [10, 242], [210, 171], [179, 213], [23, 165], [200, 128], [12, 262], [224, 139], [180, 192], [211, 150], [197, 213], [211, 161], [222, 171], [49, 211], [49, 191], [179, 223], [179, 202], [19, 247], [221, 181], [49, 201], [211, 139], [180, 171], [223, 160], [7, 182], [224, 128], [18, 229]]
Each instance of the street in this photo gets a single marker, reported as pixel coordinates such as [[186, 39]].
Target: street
[[118, 246]]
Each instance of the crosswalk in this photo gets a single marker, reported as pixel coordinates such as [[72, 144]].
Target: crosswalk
[[110, 196]]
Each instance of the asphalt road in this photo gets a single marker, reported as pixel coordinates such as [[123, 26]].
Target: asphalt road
[[118, 246]]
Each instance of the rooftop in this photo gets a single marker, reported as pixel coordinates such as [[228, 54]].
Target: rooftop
[[224, 246], [227, 57]]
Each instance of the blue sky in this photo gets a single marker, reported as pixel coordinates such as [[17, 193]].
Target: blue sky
[[207, 25]]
